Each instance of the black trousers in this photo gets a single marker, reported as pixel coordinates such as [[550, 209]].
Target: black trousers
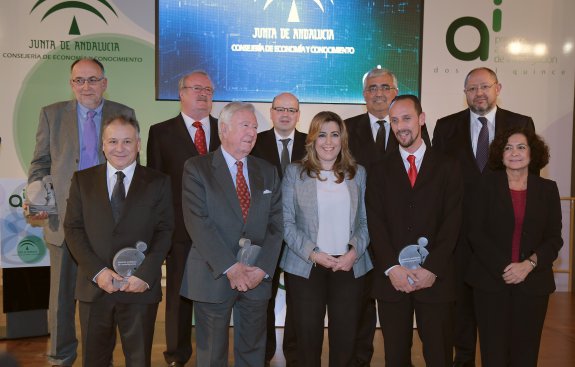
[[342, 294], [434, 325], [178, 309], [99, 320], [510, 323]]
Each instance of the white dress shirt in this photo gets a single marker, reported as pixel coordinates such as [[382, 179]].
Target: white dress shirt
[[475, 127], [192, 130]]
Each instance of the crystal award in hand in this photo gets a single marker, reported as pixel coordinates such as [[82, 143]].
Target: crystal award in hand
[[126, 262], [40, 197], [413, 256], [248, 253]]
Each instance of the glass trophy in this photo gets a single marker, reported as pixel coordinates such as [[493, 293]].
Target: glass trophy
[[412, 256], [126, 262], [248, 253], [40, 197]]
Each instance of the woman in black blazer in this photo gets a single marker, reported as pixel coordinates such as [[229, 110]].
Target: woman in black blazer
[[515, 236]]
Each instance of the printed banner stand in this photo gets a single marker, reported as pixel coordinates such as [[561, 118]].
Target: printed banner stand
[[23, 258]]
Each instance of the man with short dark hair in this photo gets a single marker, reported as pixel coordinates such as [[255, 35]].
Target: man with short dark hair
[[69, 139], [370, 139], [113, 207], [466, 136], [413, 197], [171, 143]]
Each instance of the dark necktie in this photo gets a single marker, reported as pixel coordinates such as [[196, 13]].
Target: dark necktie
[[242, 190], [200, 138], [380, 136], [118, 196], [89, 153], [482, 149], [284, 159], [412, 172]]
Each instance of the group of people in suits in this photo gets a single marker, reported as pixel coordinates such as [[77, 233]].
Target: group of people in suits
[[333, 209]]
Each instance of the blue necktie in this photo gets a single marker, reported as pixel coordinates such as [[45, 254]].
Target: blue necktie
[[89, 150]]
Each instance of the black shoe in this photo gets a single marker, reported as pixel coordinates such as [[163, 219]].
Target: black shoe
[[176, 364]]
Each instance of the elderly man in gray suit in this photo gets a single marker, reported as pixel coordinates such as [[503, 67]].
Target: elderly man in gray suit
[[228, 195], [69, 139]]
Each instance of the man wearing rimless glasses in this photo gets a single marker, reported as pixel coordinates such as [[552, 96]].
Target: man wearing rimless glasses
[[281, 145], [69, 139]]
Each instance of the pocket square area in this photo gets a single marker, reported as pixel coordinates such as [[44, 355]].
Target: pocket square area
[[267, 192]]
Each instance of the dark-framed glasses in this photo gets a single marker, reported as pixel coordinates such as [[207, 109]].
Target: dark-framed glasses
[[79, 82], [383, 88], [199, 89], [476, 88], [285, 109]]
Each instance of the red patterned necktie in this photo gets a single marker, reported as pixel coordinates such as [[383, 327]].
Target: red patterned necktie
[[242, 190], [412, 172], [200, 138]]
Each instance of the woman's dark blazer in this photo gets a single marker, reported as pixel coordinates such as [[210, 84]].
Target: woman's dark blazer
[[492, 228]]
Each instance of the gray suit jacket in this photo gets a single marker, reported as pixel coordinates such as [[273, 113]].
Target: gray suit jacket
[[57, 153], [301, 221], [213, 218]]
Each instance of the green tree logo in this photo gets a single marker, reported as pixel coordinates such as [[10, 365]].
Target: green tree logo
[[74, 29]]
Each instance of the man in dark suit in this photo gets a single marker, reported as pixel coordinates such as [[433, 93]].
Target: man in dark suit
[[370, 138], [412, 193], [460, 135], [228, 196], [111, 207], [170, 143], [281, 145], [68, 138]]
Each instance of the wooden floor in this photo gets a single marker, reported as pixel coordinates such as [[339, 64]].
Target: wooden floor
[[557, 349]]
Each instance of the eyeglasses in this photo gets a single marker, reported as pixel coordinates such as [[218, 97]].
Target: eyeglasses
[[285, 109], [79, 82], [483, 88], [198, 89], [383, 87]]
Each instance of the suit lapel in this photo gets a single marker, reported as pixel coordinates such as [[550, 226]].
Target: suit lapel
[[504, 197], [365, 134], [224, 179], [270, 148], [184, 138], [298, 151], [72, 135], [214, 136], [308, 191], [102, 197], [256, 186], [354, 199], [465, 139], [392, 143]]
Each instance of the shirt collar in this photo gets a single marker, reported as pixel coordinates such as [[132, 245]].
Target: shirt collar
[[279, 137], [128, 171], [490, 116], [84, 110], [189, 121], [231, 161], [419, 153], [373, 120]]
